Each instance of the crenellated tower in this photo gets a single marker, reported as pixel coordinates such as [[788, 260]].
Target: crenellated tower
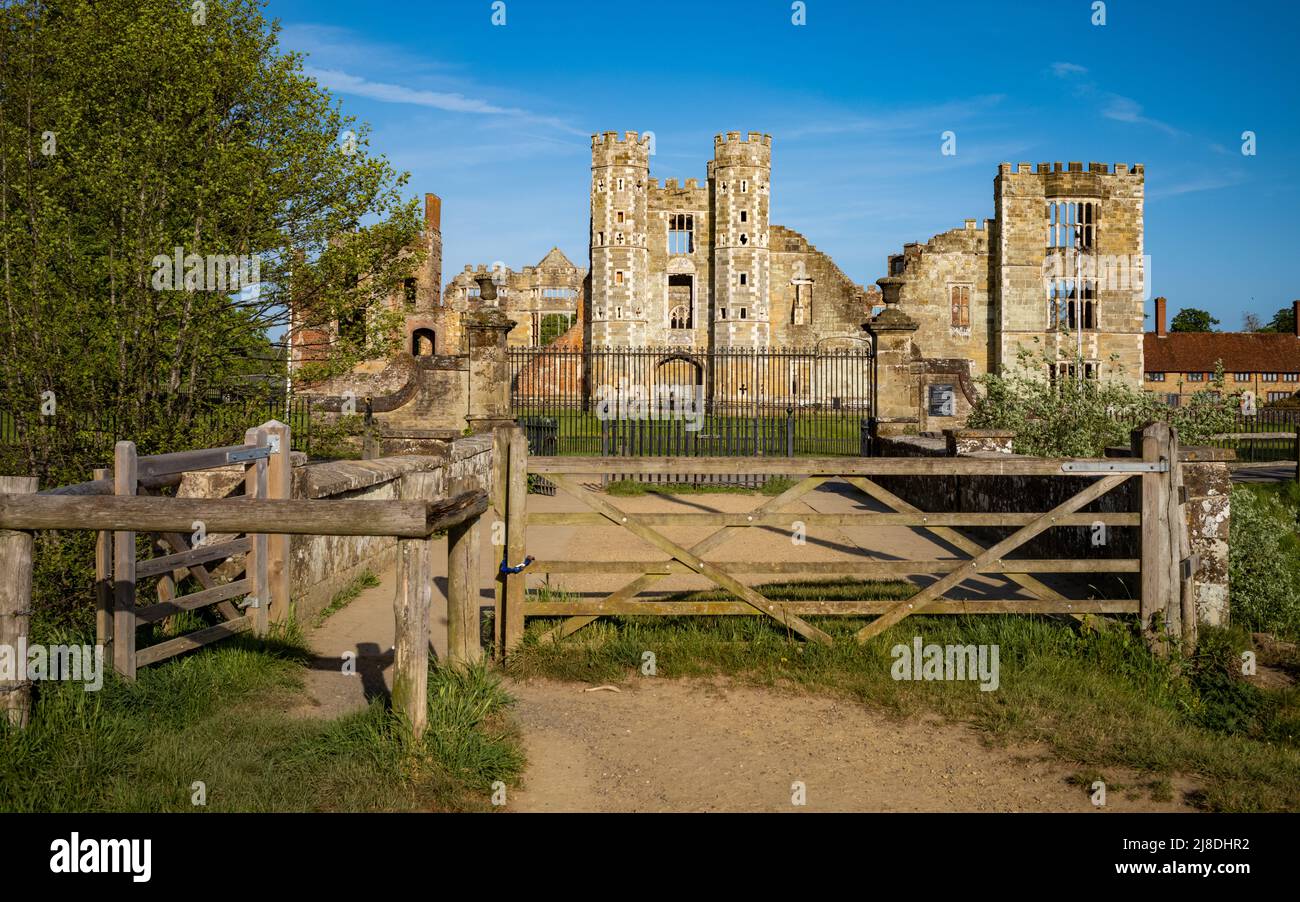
[[620, 271], [740, 179]]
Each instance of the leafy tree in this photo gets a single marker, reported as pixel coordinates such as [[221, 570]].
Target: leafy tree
[[1190, 319], [1282, 321], [1251, 322], [129, 128]]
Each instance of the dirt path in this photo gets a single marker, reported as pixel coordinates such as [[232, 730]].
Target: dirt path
[[695, 745], [699, 745]]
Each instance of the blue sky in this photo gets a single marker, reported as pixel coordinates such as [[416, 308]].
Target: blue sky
[[497, 119]]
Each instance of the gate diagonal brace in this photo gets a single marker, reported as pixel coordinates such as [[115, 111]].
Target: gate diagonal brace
[[630, 590], [724, 580], [935, 590], [1040, 589]]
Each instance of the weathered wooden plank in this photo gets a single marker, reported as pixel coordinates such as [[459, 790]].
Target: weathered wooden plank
[[861, 518], [632, 589], [220, 515], [411, 604], [604, 608], [124, 482], [186, 461], [629, 522], [257, 564], [500, 479], [103, 485], [16, 550], [865, 568], [199, 572], [1157, 558], [516, 543], [279, 484], [448, 512], [104, 580], [184, 560], [818, 466], [463, 574], [935, 590], [197, 639], [155, 612]]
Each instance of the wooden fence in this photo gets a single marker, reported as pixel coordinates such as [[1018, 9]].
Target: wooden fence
[[261, 522], [1165, 603]]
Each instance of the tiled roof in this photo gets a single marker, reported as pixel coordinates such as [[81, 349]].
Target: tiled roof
[[1240, 352]]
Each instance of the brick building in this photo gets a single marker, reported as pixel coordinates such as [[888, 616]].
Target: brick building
[[1183, 363]]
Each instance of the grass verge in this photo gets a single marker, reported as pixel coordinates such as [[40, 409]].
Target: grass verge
[[1097, 698], [347, 595], [220, 722]]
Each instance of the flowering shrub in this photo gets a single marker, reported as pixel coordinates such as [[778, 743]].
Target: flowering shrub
[[1080, 418]]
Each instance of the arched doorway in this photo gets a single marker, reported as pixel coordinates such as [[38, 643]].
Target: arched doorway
[[423, 342]]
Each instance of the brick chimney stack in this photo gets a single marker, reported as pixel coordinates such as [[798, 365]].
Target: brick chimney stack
[[1295, 309], [432, 212], [1160, 317]]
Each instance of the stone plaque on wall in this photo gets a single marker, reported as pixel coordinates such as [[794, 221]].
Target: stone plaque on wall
[[943, 400]]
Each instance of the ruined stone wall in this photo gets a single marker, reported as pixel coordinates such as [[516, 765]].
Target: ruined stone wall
[[553, 286], [833, 304], [1023, 261]]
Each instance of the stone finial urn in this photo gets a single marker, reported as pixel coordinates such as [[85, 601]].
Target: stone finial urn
[[487, 288]]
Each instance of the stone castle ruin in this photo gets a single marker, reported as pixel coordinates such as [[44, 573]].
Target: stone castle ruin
[[695, 269]]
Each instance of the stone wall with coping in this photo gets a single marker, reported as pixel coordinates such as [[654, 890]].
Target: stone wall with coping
[[320, 566]]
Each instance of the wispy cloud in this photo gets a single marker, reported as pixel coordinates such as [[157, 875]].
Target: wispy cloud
[[901, 120], [1197, 183], [346, 83], [1065, 70], [1112, 106]]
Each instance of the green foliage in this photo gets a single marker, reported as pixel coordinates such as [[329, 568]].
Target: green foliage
[[1191, 319], [1069, 417], [226, 716], [1264, 561], [339, 438], [1282, 321], [163, 133]]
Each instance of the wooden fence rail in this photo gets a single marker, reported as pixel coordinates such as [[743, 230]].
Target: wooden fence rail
[[259, 523], [1164, 602]]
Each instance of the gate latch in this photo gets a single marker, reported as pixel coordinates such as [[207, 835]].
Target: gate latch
[[506, 568]]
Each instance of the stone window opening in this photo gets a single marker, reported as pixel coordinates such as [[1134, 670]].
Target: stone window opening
[[600, 186], [620, 216], [744, 279], [744, 186], [801, 313], [722, 313], [620, 184], [1072, 224], [744, 216], [681, 233], [1063, 306], [408, 290], [423, 342], [618, 277], [959, 298], [600, 238], [681, 302], [743, 313], [744, 239], [618, 238]]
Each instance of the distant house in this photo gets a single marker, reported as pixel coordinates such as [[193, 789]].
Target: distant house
[[1183, 363]]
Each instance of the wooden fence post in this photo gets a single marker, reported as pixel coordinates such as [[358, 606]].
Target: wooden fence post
[[124, 483], [516, 507], [1152, 445], [1178, 543], [279, 485], [463, 646], [104, 583], [1297, 452], [412, 612], [257, 568], [500, 484], [15, 606]]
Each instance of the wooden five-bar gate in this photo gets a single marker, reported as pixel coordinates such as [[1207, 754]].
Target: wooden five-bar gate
[[1165, 602]]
